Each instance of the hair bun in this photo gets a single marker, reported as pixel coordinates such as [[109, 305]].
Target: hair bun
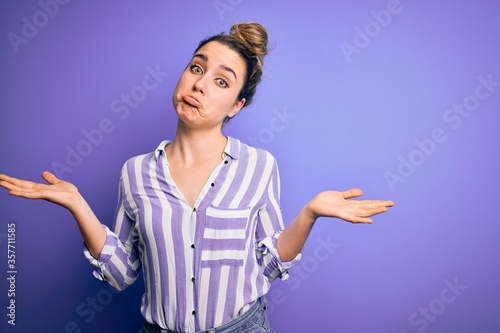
[[253, 35]]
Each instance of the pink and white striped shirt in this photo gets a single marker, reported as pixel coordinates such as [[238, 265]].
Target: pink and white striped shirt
[[204, 265]]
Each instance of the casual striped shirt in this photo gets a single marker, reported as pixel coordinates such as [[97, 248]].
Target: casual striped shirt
[[204, 265]]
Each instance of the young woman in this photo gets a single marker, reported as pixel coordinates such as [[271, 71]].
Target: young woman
[[200, 216]]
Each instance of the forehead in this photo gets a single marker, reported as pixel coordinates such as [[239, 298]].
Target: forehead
[[218, 55]]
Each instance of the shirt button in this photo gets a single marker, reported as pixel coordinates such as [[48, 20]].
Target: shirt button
[[193, 279], [226, 162], [212, 184], [194, 312], [193, 246], [194, 209]]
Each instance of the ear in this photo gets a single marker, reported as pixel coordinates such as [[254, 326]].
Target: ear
[[237, 107]]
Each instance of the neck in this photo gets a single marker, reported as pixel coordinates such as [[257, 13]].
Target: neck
[[193, 146]]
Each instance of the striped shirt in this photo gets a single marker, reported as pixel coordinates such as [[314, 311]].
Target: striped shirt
[[204, 265]]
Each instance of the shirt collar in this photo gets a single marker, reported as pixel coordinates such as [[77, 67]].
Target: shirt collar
[[232, 148], [161, 149]]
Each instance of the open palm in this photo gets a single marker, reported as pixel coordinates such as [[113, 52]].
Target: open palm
[[56, 191], [336, 204]]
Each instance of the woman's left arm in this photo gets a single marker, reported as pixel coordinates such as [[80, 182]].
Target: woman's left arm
[[327, 204]]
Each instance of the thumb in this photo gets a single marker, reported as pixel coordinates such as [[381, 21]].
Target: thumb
[[50, 178], [352, 193]]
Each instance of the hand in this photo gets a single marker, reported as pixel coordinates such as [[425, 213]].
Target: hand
[[335, 204], [58, 191]]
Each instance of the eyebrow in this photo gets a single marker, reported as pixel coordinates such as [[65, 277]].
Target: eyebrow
[[224, 67]]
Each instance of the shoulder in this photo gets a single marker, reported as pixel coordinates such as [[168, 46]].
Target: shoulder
[[134, 161], [140, 161], [255, 158], [249, 152]]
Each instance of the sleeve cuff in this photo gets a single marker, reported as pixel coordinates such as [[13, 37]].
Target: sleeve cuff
[[105, 255], [274, 267]]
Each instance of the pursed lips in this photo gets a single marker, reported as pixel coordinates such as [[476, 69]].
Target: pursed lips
[[192, 101]]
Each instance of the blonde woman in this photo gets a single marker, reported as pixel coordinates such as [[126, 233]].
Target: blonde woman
[[200, 215]]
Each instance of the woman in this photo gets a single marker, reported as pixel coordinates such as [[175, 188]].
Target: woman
[[200, 216]]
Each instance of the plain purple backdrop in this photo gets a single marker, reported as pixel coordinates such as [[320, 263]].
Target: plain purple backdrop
[[399, 98]]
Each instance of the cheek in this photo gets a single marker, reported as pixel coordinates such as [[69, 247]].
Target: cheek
[[226, 100], [182, 86], [181, 82]]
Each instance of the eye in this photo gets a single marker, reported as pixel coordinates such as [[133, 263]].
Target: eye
[[222, 83], [196, 69]]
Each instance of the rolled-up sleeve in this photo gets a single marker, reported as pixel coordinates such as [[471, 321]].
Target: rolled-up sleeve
[[119, 261], [270, 226]]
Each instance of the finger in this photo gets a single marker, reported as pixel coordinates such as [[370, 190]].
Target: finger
[[13, 184], [385, 203], [365, 220], [357, 219], [17, 182], [28, 194], [50, 177], [373, 210], [8, 186], [352, 193], [376, 211], [6, 179]]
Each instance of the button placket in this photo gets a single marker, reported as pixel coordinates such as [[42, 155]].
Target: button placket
[[193, 247]]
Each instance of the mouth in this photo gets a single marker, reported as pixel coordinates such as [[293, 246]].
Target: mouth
[[192, 101]]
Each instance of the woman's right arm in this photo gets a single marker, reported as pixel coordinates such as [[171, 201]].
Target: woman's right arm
[[66, 195]]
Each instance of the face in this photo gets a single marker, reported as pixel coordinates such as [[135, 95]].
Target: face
[[207, 91]]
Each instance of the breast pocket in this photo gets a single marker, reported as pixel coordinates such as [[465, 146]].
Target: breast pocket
[[225, 237]]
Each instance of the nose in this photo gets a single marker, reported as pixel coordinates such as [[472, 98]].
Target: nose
[[199, 84]]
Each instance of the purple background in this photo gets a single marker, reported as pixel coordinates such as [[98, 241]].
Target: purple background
[[352, 121]]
